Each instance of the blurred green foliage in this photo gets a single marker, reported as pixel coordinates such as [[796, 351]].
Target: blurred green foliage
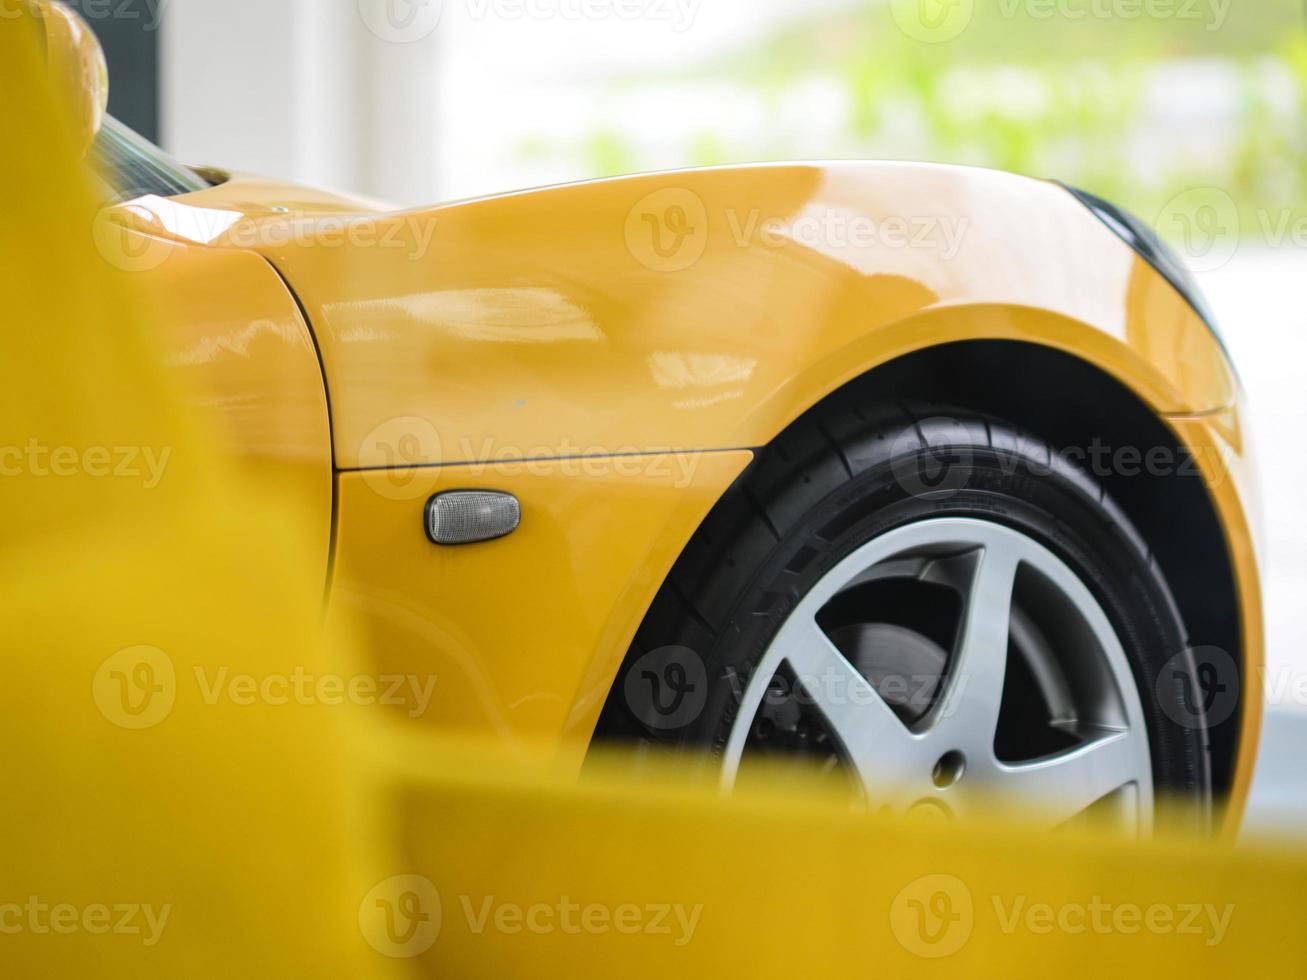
[[1137, 108]]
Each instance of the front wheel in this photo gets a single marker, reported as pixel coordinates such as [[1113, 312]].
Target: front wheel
[[940, 608]]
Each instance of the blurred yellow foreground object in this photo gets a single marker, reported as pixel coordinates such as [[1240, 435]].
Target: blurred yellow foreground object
[[153, 830], [146, 832]]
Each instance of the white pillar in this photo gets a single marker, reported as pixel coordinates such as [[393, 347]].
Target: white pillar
[[315, 91]]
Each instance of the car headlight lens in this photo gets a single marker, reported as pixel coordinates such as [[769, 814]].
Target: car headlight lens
[[1150, 247]]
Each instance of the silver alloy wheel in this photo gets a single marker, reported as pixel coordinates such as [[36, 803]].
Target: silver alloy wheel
[[946, 759]]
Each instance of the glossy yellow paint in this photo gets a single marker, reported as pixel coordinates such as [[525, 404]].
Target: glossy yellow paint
[[608, 324], [523, 635], [1219, 441], [695, 312], [243, 355], [594, 548], [794, 279], [240, 349], [255, 197], [75, 66], [601, 342], [277, 836], [750, 894], [222, 819]]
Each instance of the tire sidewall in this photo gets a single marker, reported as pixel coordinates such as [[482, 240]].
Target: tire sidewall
[[1038, 496]]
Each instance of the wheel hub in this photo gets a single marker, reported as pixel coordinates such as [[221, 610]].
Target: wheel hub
[[949, 662]]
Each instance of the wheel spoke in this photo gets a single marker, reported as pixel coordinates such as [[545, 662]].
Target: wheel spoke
[[879, 747], [1063, 785], [968, 710], [947, 757]]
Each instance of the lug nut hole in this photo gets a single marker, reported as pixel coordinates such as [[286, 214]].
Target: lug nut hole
[[949, 769]]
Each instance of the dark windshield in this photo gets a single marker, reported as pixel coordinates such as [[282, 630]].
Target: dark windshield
[[134, 167]]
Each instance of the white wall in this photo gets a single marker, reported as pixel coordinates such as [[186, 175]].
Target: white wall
[[302, 90], [353, 94]]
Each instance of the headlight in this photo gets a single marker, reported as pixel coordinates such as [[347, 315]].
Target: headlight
[[1145, 241]]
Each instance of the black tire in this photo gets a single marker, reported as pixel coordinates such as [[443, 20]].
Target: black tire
[[838, 478]]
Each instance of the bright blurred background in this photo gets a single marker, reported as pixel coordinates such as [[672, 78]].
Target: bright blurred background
[[1193, 113]]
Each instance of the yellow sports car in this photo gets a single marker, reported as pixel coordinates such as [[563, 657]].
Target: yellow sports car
[[934, 477]]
